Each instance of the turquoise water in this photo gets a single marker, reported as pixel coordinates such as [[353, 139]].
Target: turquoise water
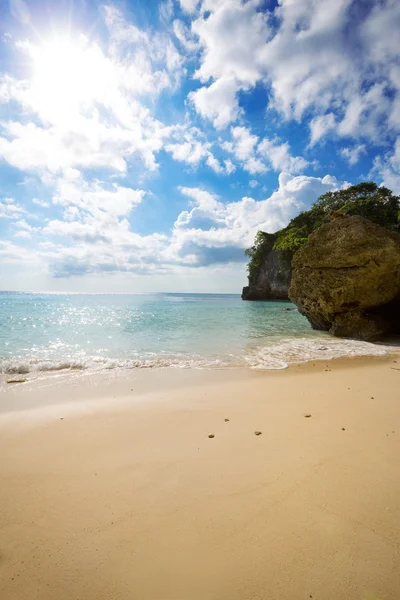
[[43, 332]]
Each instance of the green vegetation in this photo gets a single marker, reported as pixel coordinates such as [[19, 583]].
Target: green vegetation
[[378, 204], [263, 244]]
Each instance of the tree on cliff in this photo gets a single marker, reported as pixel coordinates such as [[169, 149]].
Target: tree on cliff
[[378, 204]]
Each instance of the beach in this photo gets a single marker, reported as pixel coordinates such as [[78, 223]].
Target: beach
[[111, 488]]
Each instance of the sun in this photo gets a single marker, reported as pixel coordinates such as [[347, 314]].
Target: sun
[[68, 74]]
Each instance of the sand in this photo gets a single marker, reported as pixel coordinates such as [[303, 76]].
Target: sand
[[111, 488]]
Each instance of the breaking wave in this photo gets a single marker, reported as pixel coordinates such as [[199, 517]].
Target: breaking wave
[[25, 366], [300, 350], [274, 356]]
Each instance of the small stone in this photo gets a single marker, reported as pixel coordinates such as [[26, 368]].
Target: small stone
[[307, 415], [226, 420], [372, 398], [343, 429], [258, 433], [61, 418], [19, 380], [211, 435]]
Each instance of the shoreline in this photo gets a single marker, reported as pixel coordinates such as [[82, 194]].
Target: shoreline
[[122, 493], [46, 392], [274, 354]]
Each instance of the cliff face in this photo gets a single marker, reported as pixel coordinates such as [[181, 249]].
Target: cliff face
[[346, 279], [272, 279]]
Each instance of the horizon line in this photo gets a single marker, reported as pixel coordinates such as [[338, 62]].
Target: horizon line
[[118, 293]]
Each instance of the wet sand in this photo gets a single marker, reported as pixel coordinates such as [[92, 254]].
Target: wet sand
[[111, 488]]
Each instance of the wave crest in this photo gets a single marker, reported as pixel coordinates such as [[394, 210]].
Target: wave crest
[[274, 356], [301, 350]]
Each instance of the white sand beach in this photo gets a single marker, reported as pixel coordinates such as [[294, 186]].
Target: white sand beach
[[111, 488]]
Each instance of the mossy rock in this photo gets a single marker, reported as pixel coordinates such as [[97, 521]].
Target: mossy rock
[[346, 279]]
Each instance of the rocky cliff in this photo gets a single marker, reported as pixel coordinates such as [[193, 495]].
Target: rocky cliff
[[269, 268], [272, 279], [346, 279]]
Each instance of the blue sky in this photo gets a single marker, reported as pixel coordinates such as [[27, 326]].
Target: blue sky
[[143, 143]]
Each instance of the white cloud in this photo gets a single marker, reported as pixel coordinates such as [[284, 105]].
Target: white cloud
[[191, 148], [166, 10], [104, 247], [83, 143], [9, 209], [183, 34], [94, 230], [189, 6], [24, 229], [253, 183], [94, 198], [364, 113], [22, 224], [144, 58], [11, 253], [232, 36], [388, 168], [243, 146], [244, 142], [320, 126], [352, 155], [256, 157], [254, 166], [324, 61], [229, 166], [40, 202], [214, 164], [218, 102], [278, 155], [217, 232]]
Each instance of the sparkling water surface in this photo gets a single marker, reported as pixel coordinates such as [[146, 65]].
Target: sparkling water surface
[[43, 332]]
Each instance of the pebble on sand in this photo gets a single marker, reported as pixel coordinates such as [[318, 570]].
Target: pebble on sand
[[211, 435], [20, 380], [226, 420], [258, 433], [307, 415]]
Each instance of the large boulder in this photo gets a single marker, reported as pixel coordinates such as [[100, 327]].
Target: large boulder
[[346, 279], [272, 279]]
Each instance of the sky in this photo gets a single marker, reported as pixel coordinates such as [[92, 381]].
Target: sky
[[144, 143]]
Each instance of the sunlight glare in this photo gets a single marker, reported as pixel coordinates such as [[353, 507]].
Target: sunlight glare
[[68, 75]]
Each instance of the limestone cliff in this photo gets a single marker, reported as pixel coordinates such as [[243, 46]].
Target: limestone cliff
[[270, 280], [346, 279]]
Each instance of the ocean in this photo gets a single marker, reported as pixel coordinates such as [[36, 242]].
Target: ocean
[[50, 332]]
